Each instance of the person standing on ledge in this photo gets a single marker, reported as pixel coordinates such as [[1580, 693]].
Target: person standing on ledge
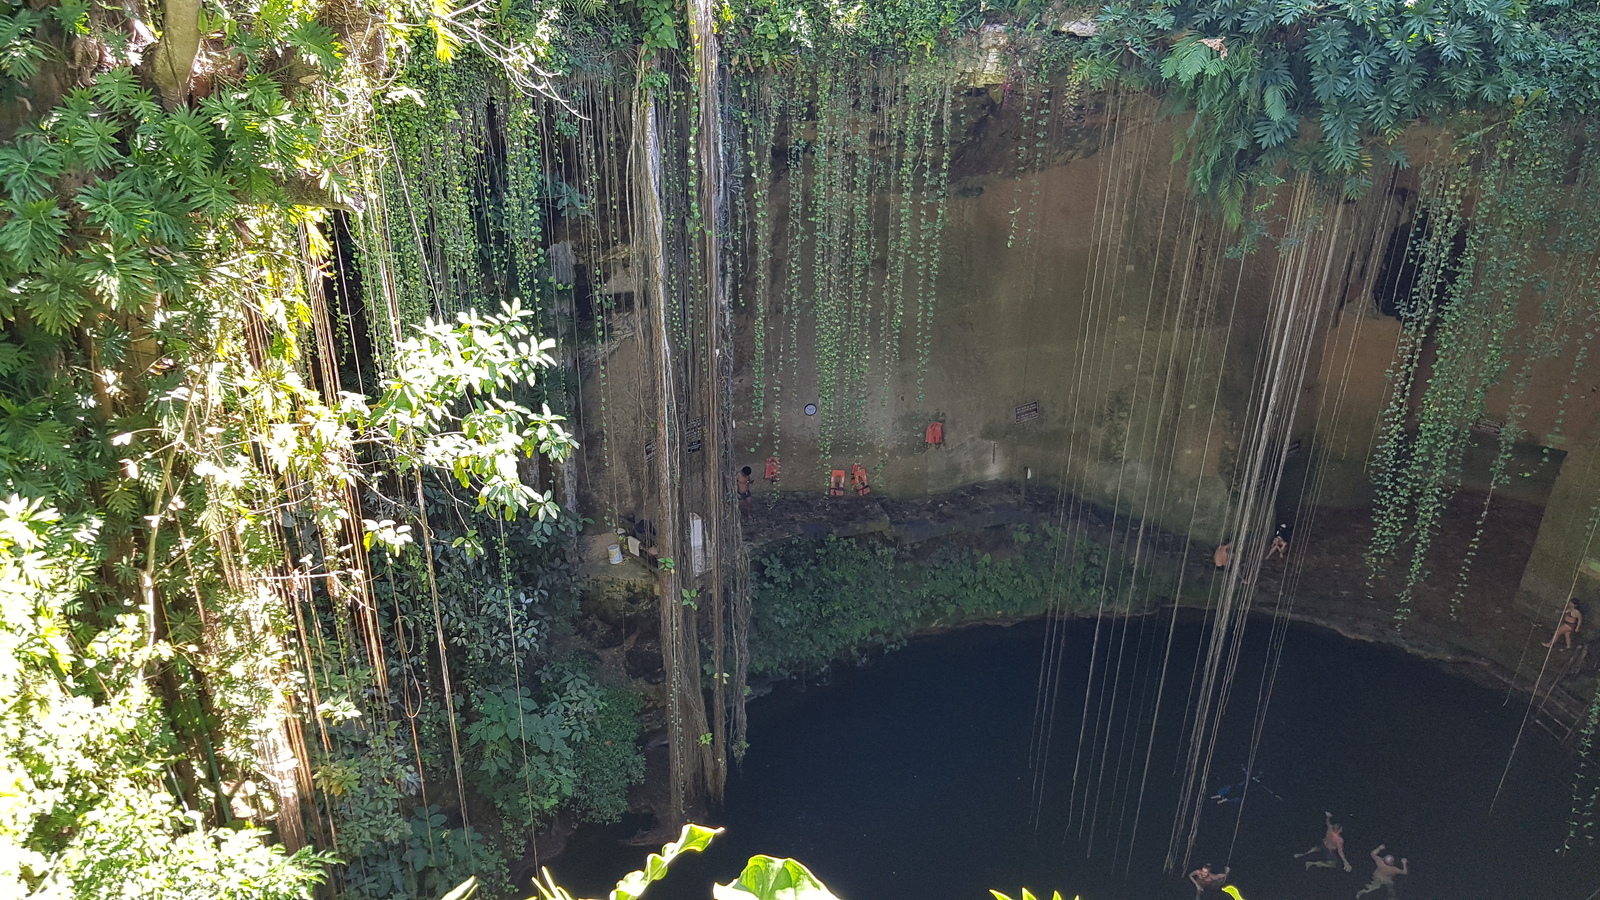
[[743, 481], [1384, 874], [1223, 554], [1571, 621], [1204, 879], [1332, 849]]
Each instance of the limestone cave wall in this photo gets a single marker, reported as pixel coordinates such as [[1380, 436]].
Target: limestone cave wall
[[1096, 333]]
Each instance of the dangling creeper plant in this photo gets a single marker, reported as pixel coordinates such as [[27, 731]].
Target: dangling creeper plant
[[1444, 188], [925, 245], [942, 197], [1041, 149], [1578, 236], [1022, 161], [898, 277], [858, 336], [1575, 224], [699, 224], [759, 141], [1581, 825], [1516, 197], [826, 222], [674, 253], [794, 233]]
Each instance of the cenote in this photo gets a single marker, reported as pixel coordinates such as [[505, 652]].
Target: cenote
[[437, 433], [910, 777]]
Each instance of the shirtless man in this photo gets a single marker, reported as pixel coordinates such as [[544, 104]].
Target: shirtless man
[[743, 481], [1221, 557], [1204, 879], [1571, 621], [1384, 874], [1332, 846]]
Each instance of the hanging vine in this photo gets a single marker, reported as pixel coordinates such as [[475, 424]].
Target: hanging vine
[[1514, 197]]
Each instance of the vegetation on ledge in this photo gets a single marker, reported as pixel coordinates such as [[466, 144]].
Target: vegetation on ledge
[[816, 602]]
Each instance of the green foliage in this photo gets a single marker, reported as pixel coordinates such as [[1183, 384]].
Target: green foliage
[[815, 601], [1467, 312], [573, 742], [763, 877], [155, 297], [693, 839], [427, 860], [772, 34], [537, 735], [163, 296], [366, 779], [567, 199], [1026, 895], [1321, 86], [608, 762], [87, 814], [660, 24], [448, 406], [770, 878], [1582, 828]]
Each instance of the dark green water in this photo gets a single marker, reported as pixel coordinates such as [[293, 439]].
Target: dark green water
[[910, 778]]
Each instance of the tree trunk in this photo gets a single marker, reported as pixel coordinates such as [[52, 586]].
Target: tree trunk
[[173, 60]]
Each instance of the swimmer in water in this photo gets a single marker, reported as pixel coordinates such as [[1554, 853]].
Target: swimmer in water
[[1384, 874], [1205, 879], [1234, 793], [1332, 849]]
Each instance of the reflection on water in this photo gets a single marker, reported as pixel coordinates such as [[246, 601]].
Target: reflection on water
[[910, 778]]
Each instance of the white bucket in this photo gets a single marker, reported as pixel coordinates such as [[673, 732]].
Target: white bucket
[[615, 553]]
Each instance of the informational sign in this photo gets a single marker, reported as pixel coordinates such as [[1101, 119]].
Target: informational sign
[[1027, 412], [697, 544]]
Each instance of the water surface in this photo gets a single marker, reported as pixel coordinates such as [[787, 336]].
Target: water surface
[[910, 778]]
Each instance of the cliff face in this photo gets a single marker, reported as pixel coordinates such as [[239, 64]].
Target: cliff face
[[1024, 266]]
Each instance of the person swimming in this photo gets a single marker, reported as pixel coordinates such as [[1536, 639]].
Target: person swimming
[[1205, 878], [1332, 849], [1384, 873], [1234, 793]]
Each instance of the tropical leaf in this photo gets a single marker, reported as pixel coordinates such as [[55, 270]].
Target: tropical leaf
[[693, 839], [58, 297], [769, 878], [34, 231], [27, 168], [319, 42], [72, 15]]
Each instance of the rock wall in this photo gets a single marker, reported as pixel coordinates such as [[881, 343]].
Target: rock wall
[[1096, 337]]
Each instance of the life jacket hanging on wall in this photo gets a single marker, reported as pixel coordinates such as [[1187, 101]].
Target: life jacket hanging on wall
[[836, 484], [858, 480]]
